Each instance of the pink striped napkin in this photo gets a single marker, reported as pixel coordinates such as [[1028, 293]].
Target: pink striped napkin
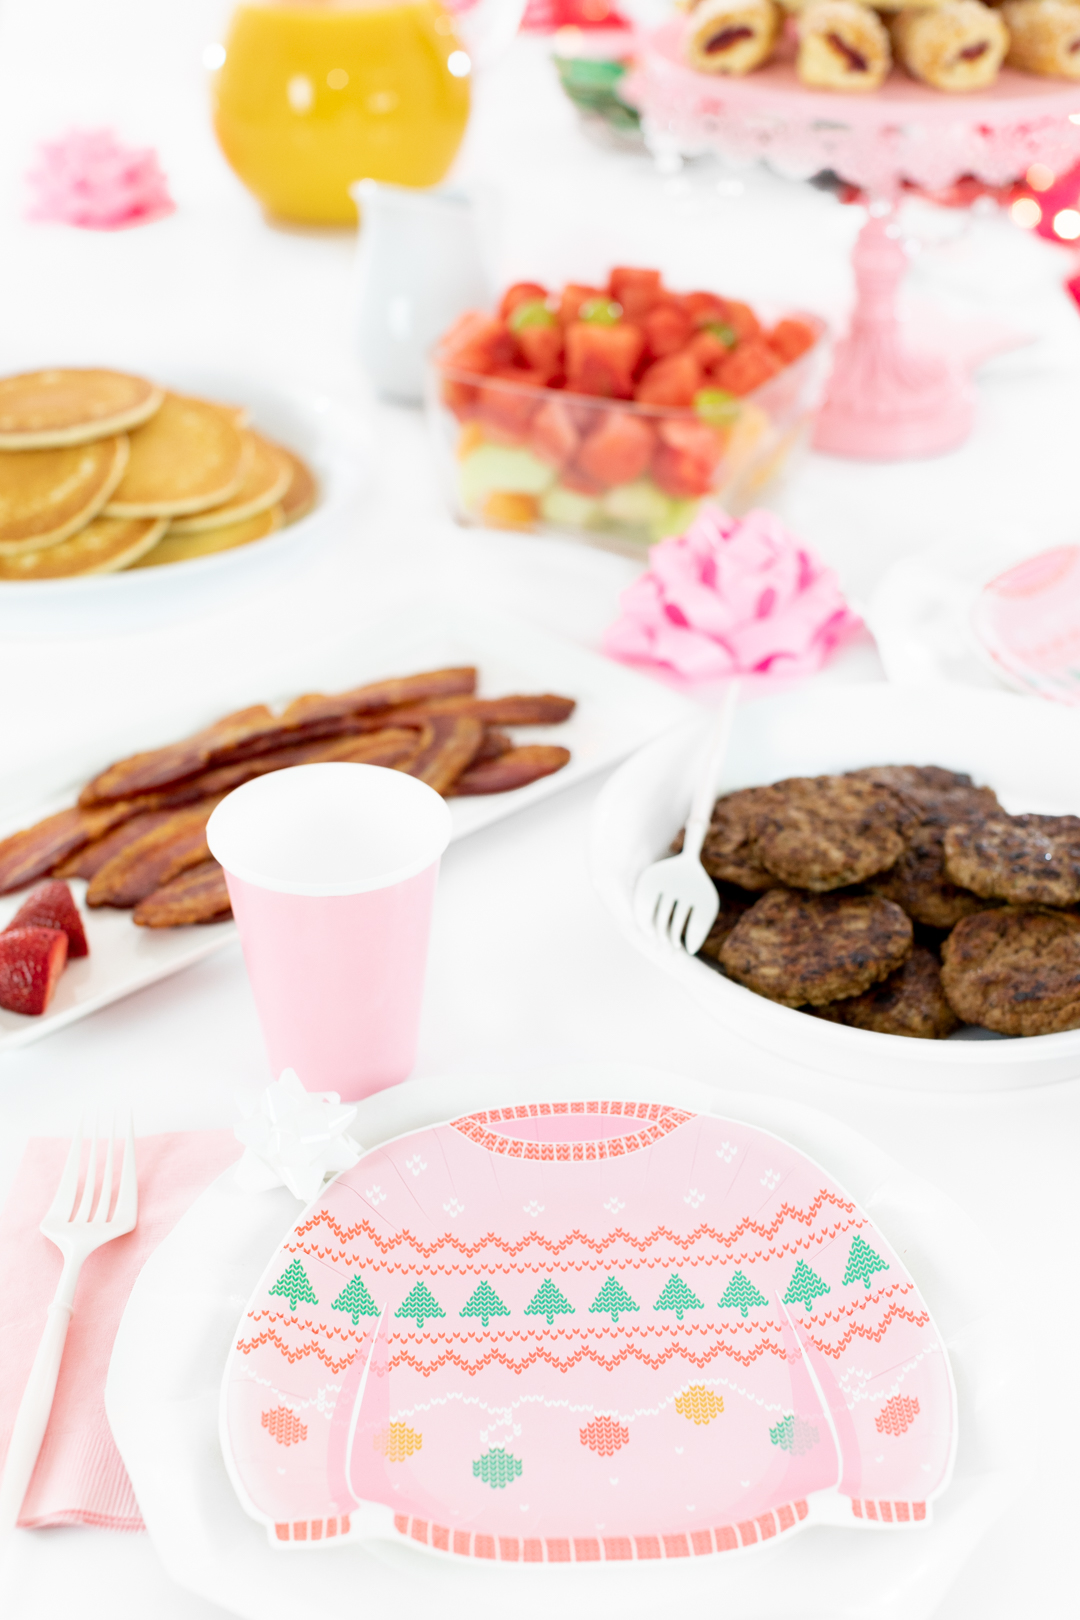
[[79, 1478]]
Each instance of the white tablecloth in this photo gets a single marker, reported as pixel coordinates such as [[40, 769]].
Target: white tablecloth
[[218, 285]]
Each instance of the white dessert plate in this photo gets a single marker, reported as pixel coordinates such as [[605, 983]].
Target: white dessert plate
[[1027, 752], [617, 710], [164, 1384], [330, 435]]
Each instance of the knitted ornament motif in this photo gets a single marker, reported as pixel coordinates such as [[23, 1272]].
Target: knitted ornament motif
[[517, 1336]]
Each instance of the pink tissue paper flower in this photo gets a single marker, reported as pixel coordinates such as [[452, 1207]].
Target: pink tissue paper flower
[[87, 178], [732, 597]]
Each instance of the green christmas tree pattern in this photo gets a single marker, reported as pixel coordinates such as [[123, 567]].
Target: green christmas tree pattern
[[355, 1299], [740, 1294], [862, 1262], [794, 1434], [293, 1285], [497, 1468], [805, 1286], [484, 1302], [549, 1301], [677, 1297], [421, 1304], [612, 1299]]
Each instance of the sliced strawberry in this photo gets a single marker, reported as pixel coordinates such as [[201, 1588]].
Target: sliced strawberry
[[748, 367], [638, 291], [673, 381], [522, 292], [31, 961], [52, 906], [618, 450]]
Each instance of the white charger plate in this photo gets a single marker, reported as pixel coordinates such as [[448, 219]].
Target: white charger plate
[[330, 435], [616, 712], [163, 1390], [1026, 751]]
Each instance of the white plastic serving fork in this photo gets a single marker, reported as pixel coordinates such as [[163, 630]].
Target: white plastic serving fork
[[76, 1234], [675, 899]]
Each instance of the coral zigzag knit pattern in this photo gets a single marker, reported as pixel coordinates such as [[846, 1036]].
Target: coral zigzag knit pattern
[[639, 1332]]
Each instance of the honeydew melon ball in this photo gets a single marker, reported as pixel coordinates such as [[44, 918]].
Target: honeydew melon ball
[[568, 509], [505, 469]]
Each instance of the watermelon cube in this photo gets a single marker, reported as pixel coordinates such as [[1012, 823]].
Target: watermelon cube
[[476, 343], [673, 381], [553, 436], [748, 367], [600, 360], [574, 294], [791, 338], [638, 291], [687, 458], [618, 450], [668, 328], [522, 292]]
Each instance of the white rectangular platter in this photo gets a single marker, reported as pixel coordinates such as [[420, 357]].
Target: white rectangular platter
[[616, 712]]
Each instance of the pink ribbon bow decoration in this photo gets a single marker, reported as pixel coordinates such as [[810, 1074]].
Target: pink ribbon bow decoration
[[732, 597], [87, 178]]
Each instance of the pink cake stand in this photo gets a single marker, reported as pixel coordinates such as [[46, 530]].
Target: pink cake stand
[[884, 400]]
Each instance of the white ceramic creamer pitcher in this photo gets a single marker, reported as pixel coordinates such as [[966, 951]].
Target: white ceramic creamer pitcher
[[420, 266]]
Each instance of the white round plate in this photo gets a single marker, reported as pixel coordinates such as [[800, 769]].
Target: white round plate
[[165, 1377], [331, 437], [1026, 751]]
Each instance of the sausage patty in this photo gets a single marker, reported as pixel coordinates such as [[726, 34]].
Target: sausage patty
[[799, 948]]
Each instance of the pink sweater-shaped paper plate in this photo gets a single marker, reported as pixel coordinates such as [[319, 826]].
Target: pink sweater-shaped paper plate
[[570, 1332]]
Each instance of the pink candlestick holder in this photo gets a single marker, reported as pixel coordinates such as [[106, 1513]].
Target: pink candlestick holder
[[885, 400]]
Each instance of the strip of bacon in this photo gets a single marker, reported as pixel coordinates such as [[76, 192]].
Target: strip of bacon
[[255, 730], [36, 850], [86, 863], [199, 895], [450, 749], [494, 744], [153, 859], [383, 695], [390, 747], [517, 709], [511, 770]]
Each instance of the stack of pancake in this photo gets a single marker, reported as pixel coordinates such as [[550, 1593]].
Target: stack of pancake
[[101, 471]]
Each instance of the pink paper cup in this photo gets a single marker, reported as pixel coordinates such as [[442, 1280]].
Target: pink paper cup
[[331, 872]]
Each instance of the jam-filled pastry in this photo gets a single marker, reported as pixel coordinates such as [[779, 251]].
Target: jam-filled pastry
[[1044, 37], [842, 46], [732, 36], [960, 46]]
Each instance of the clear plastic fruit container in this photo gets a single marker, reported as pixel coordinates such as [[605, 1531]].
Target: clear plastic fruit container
[[611, 472]]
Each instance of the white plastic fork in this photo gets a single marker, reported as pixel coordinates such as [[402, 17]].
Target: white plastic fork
[[675, 899], [76, 1235]]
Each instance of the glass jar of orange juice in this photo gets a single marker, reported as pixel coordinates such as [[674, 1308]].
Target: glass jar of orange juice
[[313, 95]]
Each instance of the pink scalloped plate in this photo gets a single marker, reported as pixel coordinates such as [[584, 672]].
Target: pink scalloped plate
[[581, 1332], [1027, 621]]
